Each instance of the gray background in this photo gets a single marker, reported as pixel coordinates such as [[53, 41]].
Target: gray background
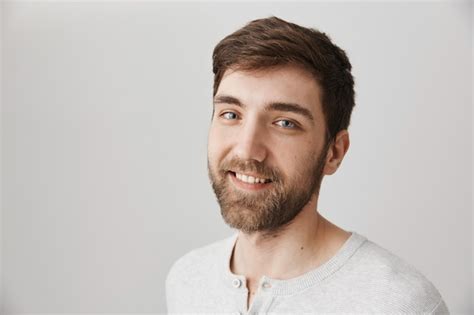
[[105, 113]]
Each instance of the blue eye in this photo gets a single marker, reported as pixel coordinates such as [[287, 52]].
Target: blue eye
[[286, 124], [229, 115]]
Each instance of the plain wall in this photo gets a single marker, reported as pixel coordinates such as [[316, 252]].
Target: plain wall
[[105, 113]]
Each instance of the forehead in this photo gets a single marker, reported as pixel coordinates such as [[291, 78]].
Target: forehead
[[283, 84]]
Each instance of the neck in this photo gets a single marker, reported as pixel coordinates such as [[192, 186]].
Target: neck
[[302, 245]]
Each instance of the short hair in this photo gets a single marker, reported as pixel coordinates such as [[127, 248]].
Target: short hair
[[273, 42]]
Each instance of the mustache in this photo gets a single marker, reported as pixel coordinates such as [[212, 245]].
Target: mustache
[[251, 166]]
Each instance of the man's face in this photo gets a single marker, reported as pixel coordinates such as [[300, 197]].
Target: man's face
[[266, 152]]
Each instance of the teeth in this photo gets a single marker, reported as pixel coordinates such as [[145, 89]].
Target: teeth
[[250, 179]]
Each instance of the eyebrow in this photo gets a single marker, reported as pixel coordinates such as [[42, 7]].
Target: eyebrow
[[276, 106]]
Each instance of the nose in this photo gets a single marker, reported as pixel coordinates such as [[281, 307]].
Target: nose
[[250, 144]]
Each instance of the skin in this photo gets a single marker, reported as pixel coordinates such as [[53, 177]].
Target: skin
[[309, 239]]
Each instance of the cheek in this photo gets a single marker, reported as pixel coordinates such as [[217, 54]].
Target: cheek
[[295, 159], [215, 144]]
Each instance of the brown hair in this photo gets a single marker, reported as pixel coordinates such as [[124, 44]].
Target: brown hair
[[272, 42]]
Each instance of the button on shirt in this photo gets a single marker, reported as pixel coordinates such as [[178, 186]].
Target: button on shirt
[[236, 283]]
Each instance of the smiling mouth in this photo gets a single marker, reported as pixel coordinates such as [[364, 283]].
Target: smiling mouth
[[249, 179]]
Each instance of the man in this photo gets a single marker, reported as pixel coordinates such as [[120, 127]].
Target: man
[[283, 97]]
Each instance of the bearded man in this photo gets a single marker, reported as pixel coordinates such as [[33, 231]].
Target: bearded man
[[283, 97]]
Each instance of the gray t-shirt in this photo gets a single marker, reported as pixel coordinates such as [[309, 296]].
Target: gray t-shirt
[[361, 277]]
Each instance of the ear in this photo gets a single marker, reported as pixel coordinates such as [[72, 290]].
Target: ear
[[336, 152]]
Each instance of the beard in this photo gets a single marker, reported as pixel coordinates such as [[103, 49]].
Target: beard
[[272, 208]]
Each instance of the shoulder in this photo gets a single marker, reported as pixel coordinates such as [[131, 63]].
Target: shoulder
[[198, 263], [389, 279], [194, 274]]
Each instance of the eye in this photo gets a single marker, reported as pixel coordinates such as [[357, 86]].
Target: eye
[[284, 123], [229, 115]]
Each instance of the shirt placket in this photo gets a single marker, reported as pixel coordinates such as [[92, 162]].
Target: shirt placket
[[262, 298], [238, 283]]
